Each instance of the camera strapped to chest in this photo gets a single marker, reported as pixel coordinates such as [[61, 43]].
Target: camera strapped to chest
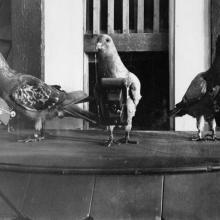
[[113, 101]]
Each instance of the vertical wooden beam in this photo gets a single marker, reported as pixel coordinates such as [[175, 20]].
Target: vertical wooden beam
[[135, 11], [84, 15], [26, 36], [96, 16], [125, 16], [5, 29], [111, 16], [85, 64], [208, 30], [172, 60], [43, 45], [85, 85], [215, 25], [43, 39], [140, 16], [26, 24], [156, 26]]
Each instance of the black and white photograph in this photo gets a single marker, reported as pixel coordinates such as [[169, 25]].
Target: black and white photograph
[[109, 110]]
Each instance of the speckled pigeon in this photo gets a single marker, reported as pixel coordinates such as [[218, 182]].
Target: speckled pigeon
[[33, 98]]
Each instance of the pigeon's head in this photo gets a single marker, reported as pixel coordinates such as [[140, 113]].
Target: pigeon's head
[[105, 44]]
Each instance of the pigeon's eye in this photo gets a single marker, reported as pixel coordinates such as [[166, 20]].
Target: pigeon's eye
[[107, 40]]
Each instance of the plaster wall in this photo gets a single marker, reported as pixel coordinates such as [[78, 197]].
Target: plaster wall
[[64, 50], [192, 49]]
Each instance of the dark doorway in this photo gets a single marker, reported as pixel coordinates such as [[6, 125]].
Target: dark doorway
[[152, 68]]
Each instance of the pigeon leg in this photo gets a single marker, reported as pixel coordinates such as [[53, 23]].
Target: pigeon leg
[[38, 135], [126, 139], [212, 127], [200, 122], [111, 140], [36, 138]]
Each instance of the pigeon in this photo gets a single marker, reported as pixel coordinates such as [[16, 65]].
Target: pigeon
[[38, 101], [201, 98], [110, 65]]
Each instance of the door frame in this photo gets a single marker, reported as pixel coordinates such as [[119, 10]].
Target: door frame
[[172, 59]]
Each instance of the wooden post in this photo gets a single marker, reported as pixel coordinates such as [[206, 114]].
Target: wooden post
[[42, 40], [5, 29], [27, 44], [111, 16], [125, 16], [140, 16], [96, 16], [84, 15], [156, 26], [215, 24], [172, 59], [85, 85], [26, 36]]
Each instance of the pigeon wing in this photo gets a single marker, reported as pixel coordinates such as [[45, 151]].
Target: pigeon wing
[[196, 90], [34, 95]]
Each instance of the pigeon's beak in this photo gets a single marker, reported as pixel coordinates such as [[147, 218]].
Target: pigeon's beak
[[98, 46]]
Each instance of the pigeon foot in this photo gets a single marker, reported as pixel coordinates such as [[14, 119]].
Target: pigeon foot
[[127, 140], [198, 139], [89, 217], [111, 142], [211, 137], [36, 138]]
